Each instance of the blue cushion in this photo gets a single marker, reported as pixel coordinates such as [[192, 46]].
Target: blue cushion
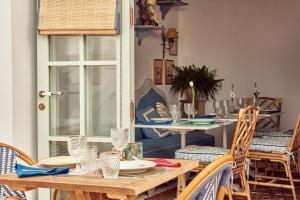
[[139, 134], [166, 147], [145, 115], [150, 99]]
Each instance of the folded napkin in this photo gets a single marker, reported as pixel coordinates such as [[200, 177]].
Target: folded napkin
[[27, 171], [156, 123], [165, 163], [204, 116]]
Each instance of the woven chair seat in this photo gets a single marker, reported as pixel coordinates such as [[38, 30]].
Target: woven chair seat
[[273, 134], [8, 162], [270, 144], [205, 154]]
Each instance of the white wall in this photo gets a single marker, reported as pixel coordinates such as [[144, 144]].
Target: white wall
[[247, 41], [6, 123], [18, 76], [151, 49]]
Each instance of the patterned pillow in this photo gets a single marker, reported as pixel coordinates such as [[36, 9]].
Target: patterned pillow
[[163, 110], [145, 115]]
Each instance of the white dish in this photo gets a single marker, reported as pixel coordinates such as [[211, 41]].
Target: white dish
[[136, 166], [206, 121], [59, 161], [161, 119]]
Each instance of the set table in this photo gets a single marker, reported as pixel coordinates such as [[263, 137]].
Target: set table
[[183, 128], [92, 186]]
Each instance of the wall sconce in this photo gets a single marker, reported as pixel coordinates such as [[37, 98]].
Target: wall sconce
[[168, 39]]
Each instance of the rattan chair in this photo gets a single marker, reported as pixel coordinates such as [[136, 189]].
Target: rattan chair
[[271, 123], [277, 150], [210, 183], [239, 150], [8, 157]]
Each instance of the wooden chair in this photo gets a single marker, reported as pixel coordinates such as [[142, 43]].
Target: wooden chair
[[279, 150], [212, 182], [269, 123], [239, 150], [8, 157]]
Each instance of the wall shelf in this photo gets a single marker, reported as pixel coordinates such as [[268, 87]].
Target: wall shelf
[[166, 5], [141, 31]]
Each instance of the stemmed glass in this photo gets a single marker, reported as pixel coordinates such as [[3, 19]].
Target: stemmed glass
[[188, 109], [119, 138], [77, 145]]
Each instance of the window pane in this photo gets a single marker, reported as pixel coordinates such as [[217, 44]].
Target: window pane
[[64, 48], [101, 100], [100, 48], [64, 108], [58, 149]]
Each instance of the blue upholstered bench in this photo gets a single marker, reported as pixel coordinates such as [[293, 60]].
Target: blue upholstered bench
[[164, 147]]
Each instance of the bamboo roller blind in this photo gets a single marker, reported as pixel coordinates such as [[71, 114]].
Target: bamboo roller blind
[[77, 17]]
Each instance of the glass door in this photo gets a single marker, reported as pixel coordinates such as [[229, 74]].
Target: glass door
[[85, 87]]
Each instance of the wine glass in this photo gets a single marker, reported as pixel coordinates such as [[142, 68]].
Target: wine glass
[[76, 147], [188, 109], [175, 113], [119, 138]]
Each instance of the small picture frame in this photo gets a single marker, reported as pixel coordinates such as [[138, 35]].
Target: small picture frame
[[168, 71], [173, 50], [157, 75]]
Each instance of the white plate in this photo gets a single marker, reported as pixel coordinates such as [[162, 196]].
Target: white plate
[[60, 161], [136, 166], [205, 121], [161, 119]]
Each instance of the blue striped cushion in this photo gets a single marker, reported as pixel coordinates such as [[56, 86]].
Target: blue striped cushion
[[144, 116], [8, 162]]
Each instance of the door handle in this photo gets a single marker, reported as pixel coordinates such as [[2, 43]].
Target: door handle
[[42, 93]]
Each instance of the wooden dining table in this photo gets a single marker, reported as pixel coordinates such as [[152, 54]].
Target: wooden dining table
[[92, 186]]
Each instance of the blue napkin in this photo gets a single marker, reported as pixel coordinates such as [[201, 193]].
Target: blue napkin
[[27, 171], [156, 123], [204, 116]]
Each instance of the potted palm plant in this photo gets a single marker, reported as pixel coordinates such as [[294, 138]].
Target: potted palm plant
[[206, 84]]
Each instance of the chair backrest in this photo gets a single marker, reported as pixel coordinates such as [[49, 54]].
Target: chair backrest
[[294, 142], [8, 157], [244, 132], [272, 122], [211, 182]]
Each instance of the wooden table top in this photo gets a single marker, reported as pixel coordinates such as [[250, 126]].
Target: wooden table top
[[94, 183]]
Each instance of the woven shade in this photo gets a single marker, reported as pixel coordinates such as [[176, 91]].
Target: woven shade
[[77, 17]]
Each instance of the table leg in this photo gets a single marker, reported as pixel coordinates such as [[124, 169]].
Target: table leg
[[181, 184], [183, 138], [224, 137]]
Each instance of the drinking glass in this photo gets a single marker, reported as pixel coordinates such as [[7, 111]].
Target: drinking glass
[[76, 147], [175, 112], [219, 108], [119, 138], [89, 160], [225, 105], [188, 109], [241, 102], [110, 164]]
